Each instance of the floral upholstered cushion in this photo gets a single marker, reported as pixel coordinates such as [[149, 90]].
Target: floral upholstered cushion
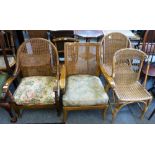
[[11, 61], [3, 78], [84, 90], [35, 90]]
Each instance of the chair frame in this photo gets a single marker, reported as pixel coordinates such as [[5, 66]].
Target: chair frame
[[63, 79], [16, 107], [119, 104]]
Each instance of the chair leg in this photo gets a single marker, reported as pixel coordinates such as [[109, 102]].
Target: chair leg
[[115, 111], [7, 107], [17, 110], [65, 115], [143, 112], [104, 112]]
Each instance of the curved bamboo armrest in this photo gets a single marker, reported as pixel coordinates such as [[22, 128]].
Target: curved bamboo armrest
[[108, 78], [63, 78], [65, 39]]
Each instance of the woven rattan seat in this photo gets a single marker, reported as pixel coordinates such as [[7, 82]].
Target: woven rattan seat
[[132, 93]]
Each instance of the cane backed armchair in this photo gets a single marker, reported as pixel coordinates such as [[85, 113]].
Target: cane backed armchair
[[127, 66], [111, 43], [82, 89], [7, 51], [59, 38], [37, 62]]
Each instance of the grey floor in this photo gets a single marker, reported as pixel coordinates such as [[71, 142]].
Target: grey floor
[[128, 115]]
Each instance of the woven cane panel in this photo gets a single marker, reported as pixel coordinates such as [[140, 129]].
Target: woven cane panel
[[35, 58], [127, 66], [81, 58], [38, 34], [112, 43]]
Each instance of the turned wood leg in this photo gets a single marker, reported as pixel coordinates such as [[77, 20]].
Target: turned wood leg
[[64, 115]]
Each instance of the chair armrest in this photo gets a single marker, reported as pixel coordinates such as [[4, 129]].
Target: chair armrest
[[108, 78], [63, 78], [7, 84]]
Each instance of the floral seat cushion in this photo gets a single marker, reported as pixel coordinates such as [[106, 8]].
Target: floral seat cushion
[[84, 90], [3, 78], [35, 90], [11, 61]]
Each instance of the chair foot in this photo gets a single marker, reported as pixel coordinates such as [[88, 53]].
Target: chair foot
[[65, 115], [143, 112], [13, 119], [104, 112]]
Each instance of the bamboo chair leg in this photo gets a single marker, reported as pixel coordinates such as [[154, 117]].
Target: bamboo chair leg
[[104, 112], [64, 115], [143, 112], [115, 111]]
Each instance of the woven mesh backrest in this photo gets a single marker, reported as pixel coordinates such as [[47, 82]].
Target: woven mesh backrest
[[111, 43], [148, 45], [37, 57], [127, 65], [38, 34], [82, 58]]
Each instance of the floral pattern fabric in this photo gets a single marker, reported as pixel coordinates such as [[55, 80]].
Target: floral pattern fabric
[[35, 90], [84, 90]]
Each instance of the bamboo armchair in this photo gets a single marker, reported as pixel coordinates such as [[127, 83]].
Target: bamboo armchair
[[127, 66], [79, 82], [111, 43], [7, 51], [37, 62]]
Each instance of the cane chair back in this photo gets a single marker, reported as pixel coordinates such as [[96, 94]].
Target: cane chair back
[[37, 57], [38, 34], [82, 58], [111, 43], [127, 66]]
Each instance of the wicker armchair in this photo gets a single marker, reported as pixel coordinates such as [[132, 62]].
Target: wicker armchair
[[60, 38], [111, 43], [82, 89], [7, 51], [127, 66], [37, 61]]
